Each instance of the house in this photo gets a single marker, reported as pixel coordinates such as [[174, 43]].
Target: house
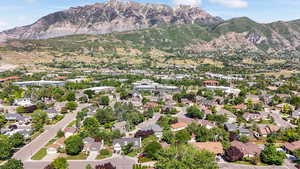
[[119, 143], [205, 123], [245, 132], [51, 113], [178, 126], [158, 131], [254, 99], [240, 107], [121, 126], [210, 83], [296, 114], [248, 149], [69, 131], [14, 117], [25, 102], [231, 117], [256, 116], [53, 148], [92, 145], [151, 105], [291, 147], [264, 130], [213, 147], [230, 127]]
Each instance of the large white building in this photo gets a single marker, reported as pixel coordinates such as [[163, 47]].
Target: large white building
[[101, 89], [39, 83]]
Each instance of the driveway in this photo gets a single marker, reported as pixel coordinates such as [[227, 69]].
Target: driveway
[[279, 121], [50, 132]]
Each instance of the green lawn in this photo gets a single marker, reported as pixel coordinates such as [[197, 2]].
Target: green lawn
[[72, 123], [50, 142], [81, 156], [100, 156], [40, 154], [133, 154]]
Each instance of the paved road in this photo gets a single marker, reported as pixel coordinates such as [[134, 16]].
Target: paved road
[[279, 121], [50, 132], [119, 162], [240, 166]]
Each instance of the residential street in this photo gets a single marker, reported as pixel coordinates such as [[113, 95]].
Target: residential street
[[30, 149], [119, 162], [240, 166]]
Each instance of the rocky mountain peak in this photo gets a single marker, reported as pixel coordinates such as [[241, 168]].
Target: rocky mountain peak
[[112, 16]]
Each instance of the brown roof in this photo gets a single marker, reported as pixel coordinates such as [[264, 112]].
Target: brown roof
[[178, 125], [292, 146], [246, 148], [56, 146], [60, 141], [210, 81], [240, 106], [70, 130], [213, 147]]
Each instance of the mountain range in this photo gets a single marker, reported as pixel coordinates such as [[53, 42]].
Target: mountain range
[[106, 29]]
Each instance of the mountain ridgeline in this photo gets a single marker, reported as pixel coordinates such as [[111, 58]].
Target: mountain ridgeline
[[154, 26]]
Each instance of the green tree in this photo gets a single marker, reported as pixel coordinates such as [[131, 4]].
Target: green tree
[[12, 164], [127, 148], [5, 150], [185, 157], [194, 112], [152, 149], [60, 163], [60, 134], [74, 145], [88, 166], [17, 140], [168, 137], [39, 117], [271, 156], [105, 115], [70, 96], [104, 100], [71, 106], [90, 123], [89, 93], [182, 136], [2, 120]]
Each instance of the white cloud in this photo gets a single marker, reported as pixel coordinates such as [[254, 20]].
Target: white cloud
[[232, 3], [188, 2], [3, 25]]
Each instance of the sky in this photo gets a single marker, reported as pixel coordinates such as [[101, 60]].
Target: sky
[[23, 12]]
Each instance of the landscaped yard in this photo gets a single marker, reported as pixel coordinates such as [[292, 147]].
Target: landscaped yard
[[81, 156], [103, 156], [40, 154]]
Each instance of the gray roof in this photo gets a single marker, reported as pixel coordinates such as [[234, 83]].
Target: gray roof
[[51, 111], [13, 116], [125, 141], [231, 127], [243, 130], [88, 140], [95, 146], [154, 127]]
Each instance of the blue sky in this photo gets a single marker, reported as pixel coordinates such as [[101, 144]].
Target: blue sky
[[22, 12]]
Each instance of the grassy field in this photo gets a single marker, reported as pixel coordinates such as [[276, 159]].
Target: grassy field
[[40, 154]]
